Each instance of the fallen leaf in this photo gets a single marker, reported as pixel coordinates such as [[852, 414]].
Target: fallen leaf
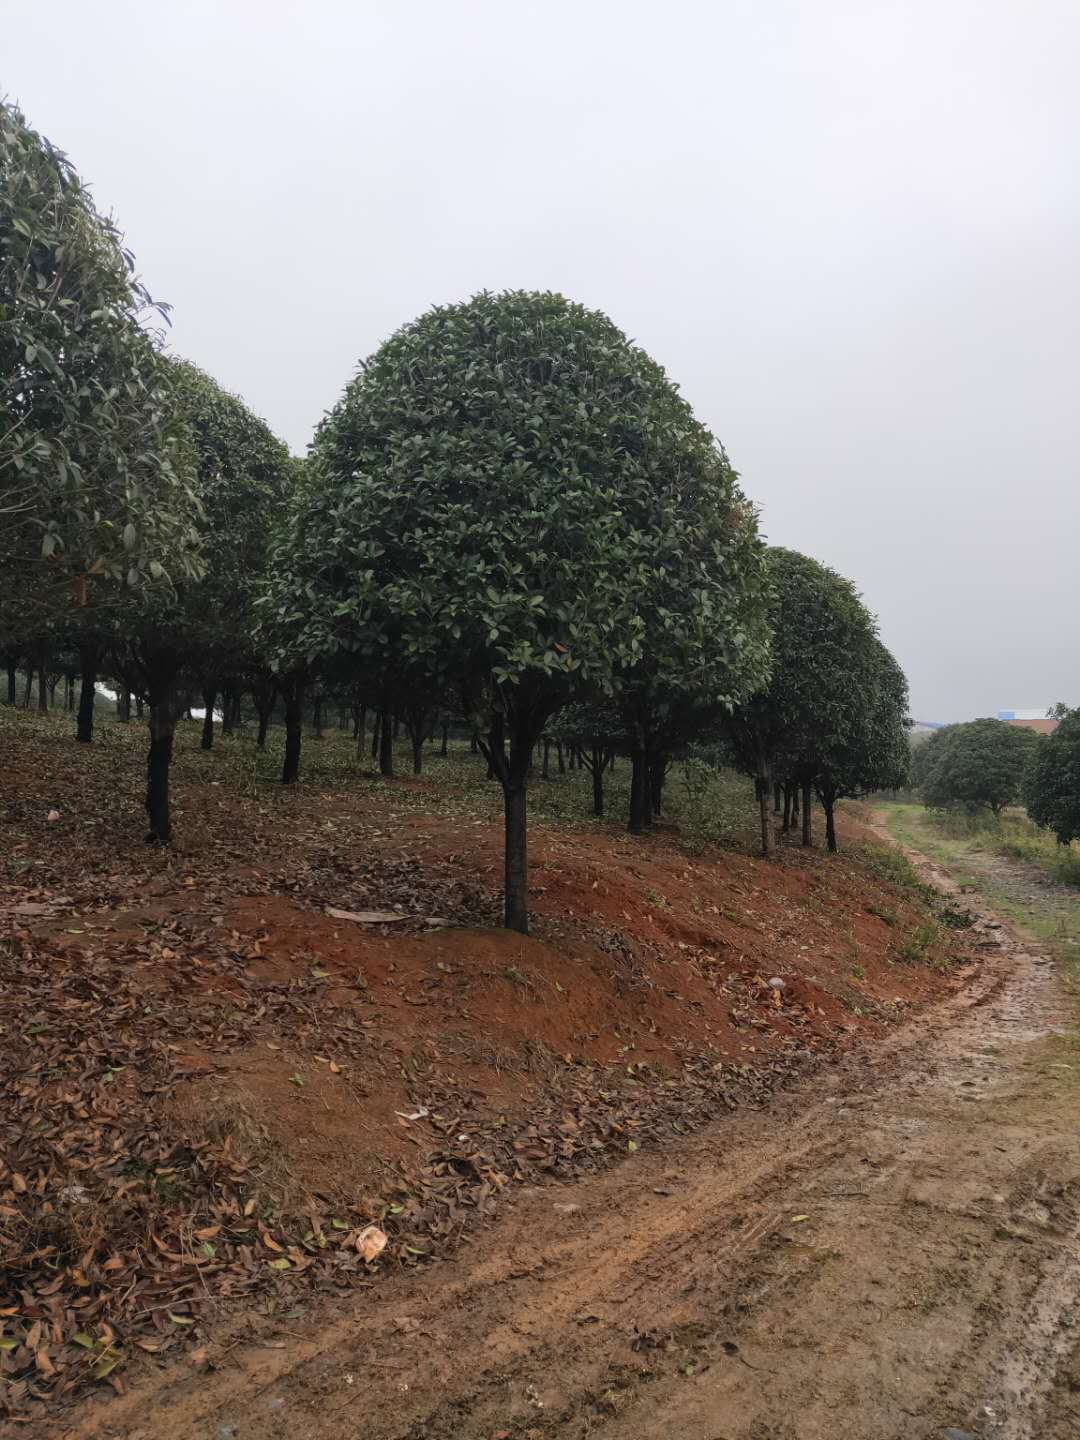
[[371, 1242], [367, 917]]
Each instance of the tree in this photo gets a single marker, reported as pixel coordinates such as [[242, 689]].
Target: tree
[[977, 765], [507, 497], [93, 474], [866, 749], [207, 626], [832, 714], [598, 733], [1051, 787], [817, 621]]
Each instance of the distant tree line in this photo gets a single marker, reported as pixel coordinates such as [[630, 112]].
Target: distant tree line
[[511, 523], [990, 765]]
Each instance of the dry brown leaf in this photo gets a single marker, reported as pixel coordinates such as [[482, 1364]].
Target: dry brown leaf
[[371, 1242], [367, 917]]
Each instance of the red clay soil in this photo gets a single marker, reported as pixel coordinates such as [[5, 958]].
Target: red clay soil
[[212, 1053]]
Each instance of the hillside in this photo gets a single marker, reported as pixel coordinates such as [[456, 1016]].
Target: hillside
[[220, 1084]]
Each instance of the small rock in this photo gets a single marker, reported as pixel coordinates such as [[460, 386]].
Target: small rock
[[777, 984], [277, 1403], [565, 1208]]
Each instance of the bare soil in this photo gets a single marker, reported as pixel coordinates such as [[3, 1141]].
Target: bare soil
[[889, 1249]]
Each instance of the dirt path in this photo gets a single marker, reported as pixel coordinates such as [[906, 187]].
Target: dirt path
[[891, 1251]]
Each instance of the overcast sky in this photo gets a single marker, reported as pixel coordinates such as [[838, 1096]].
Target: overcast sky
[[848, 230]]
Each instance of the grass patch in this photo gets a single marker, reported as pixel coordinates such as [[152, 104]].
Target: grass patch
[[1026, 891], [1014, 835], [890, 865]]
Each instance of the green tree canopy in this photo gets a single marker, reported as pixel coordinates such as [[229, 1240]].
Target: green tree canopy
[[514, 498], [866, 747], [1051, 788], [95, 477], [834, 710], [977, 765], [207, 626]]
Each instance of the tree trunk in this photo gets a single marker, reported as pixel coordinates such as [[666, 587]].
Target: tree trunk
[[828, 804], [89, 659], [123, 705], [512, 771], [293, 692], [317, 717], [598, 759], [787, 808], [69, 698], [264, 721], [418, 755], [545, 766], [42, 691], [376, 734], [386, 746], [807, 813], [361, 726], [209, 700], [474, 744], [29, 687], [640, 791], [657, 775], [764, 796], [163, 711], [778, 797], [12, 682], [444, 749], [138, 707]]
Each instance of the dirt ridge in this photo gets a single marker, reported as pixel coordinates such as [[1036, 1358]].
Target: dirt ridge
[[861, 1258]]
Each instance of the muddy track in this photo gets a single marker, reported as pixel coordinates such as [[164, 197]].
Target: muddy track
[[888, 1251]]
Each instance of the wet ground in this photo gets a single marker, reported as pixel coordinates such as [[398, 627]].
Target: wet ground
[[891, 1250]]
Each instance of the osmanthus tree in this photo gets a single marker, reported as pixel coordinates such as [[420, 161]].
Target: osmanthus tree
[[94, 482], [247, 476], [977, 765], [866, 747], [514, 499], [598, 734], [814, 718], [207, 627], [1051, 789]]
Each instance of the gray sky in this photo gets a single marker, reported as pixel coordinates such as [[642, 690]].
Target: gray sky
[[849, 230]]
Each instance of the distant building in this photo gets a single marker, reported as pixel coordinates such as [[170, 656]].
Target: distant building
[[1036, 720]]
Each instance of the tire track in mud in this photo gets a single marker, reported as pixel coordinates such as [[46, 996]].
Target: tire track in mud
[[888, 1250]]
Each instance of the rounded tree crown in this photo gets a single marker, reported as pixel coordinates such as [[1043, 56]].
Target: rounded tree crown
[[510, 485]]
